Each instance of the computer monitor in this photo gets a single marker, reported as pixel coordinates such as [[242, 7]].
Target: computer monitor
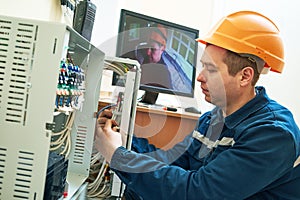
[[166, 51]]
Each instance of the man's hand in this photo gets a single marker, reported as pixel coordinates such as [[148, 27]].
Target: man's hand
[[107, 139], [104, 115]]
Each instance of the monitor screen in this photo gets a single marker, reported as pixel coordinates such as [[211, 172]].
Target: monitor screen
[[166, 51]]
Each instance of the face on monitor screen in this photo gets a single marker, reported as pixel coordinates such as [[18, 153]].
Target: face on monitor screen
[[166, 51]]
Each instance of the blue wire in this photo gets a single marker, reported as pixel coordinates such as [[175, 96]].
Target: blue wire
[[105, 107]]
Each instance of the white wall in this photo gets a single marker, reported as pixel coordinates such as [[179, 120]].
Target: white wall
[[106, 25]]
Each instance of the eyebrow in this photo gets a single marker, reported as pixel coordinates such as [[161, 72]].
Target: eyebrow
[[209, 64]]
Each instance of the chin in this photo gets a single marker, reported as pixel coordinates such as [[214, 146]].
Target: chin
[[208, 99]]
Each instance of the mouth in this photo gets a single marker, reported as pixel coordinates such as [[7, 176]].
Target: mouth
[[205, 91]]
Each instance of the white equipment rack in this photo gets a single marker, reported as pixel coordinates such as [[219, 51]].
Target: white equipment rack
[[30, 56]]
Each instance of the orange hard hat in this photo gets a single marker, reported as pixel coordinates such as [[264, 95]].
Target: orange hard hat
[[251, 33], [159, 34]]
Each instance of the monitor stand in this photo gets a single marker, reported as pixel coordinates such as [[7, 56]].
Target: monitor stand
[[149, 97]]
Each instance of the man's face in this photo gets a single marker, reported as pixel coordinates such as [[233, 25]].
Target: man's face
[[219, 88], [154, 52]]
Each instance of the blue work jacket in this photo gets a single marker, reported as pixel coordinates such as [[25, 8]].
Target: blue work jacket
[[249, 154]]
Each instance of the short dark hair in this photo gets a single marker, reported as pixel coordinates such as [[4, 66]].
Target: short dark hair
[[236, 63]]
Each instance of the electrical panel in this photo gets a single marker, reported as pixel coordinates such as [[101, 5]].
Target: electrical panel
[[50, 79], [102, 182]]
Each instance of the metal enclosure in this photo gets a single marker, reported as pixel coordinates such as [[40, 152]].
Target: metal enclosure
[[30, 55]]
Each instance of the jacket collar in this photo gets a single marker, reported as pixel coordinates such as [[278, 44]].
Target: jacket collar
[[260, 100]]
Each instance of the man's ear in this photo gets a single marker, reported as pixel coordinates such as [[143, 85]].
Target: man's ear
[[246, 75]]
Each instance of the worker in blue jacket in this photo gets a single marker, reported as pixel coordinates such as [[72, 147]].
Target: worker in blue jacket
[[247, 147]]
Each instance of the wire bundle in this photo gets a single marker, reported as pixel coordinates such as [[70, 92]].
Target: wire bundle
[[99, 183], [99, 179], [120, 69], [63, 138]]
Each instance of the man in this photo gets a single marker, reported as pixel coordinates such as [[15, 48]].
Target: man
[[155, 71], [156, 46], [245, 148], [158, 67]]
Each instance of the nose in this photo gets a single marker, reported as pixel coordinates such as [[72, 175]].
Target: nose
[[201, 76], [149, 51]]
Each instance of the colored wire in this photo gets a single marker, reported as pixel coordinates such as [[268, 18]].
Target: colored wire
[[63, 137]]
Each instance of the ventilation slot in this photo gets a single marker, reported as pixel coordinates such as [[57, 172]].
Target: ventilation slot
[[80, 143], [5, 33], [21, 65], [2, 167], [23, 175]]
